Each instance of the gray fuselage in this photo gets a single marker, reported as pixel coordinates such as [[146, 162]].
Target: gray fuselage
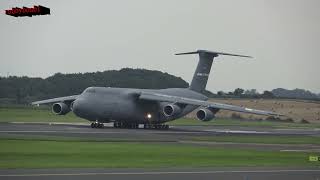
[[106, 104]]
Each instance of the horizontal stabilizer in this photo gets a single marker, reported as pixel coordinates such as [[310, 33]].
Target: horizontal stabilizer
[[213, 53]]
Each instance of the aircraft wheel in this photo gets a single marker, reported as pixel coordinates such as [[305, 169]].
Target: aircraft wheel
[[116, 125], [100, 125], [92, 125]]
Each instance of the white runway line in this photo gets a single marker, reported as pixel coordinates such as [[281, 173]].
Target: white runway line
[[300, 150], [160, 173], [239, 131]]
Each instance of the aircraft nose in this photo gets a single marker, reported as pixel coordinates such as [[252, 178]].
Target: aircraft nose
[[76, 106]]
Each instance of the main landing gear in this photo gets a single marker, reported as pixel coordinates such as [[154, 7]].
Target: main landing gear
[[126, 125], [156, 126], [97, 125], [136, 125]]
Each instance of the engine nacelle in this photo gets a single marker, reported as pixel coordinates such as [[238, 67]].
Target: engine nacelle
[[171, 110], [205, 114], [60, 108]]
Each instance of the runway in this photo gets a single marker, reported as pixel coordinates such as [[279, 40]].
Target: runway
[[186, 174], [176, 134], [83, 128]]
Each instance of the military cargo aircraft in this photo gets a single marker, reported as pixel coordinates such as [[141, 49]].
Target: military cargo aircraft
[[127, 107]]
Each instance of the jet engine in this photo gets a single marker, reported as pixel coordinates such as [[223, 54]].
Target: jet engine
[[171, 110], [60, 108], [206, 114]]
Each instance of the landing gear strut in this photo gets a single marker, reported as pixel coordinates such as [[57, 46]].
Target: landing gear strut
[[97, 125]]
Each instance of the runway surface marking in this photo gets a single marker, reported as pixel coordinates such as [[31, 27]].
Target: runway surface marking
[[163, 172], [239, 131], [300, 150]]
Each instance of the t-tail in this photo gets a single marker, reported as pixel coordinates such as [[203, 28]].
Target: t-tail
[[201, 75]]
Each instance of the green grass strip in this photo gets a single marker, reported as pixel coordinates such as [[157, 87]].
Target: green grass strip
[[53, 154], [261, 139], [34, 114]]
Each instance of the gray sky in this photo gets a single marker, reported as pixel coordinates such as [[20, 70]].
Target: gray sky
[[88, 36]]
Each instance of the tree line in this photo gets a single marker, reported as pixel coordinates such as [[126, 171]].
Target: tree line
[[275, 93], [23, 90]]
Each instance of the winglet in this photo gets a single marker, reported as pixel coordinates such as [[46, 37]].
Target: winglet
[[213, 53]]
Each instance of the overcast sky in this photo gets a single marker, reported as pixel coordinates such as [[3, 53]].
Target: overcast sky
[[88, 36]]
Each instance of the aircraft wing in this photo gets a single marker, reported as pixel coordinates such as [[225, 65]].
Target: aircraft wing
[[54, 100], [190, 101]]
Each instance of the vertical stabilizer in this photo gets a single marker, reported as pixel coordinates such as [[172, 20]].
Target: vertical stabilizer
[[201, 75]]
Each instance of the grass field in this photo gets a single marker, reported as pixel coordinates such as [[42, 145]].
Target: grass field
[[44, 114], [34, 114], [261, 139], [295, 109], [54, 154]]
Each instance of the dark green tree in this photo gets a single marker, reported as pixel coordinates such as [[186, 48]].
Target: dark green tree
[[238, 92]]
